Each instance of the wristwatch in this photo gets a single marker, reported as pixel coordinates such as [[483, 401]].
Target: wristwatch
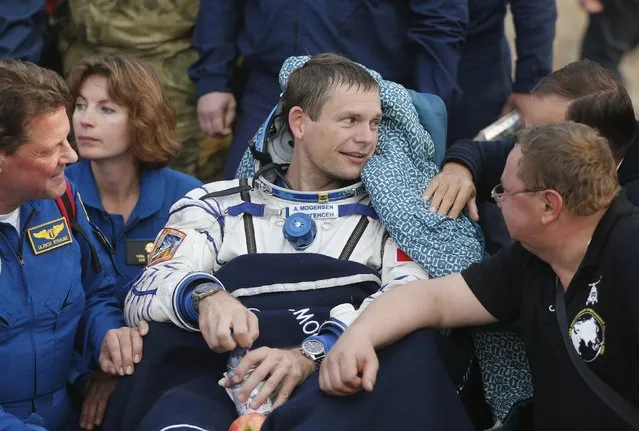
[[314, 350], [203, 290]]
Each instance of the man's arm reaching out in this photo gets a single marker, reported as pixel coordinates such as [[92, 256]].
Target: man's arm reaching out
[[445, 302]]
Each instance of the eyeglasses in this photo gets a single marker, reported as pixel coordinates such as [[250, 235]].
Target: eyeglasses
[[498, 193]]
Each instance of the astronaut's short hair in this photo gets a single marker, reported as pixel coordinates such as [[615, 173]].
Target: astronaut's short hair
[[310, 85]]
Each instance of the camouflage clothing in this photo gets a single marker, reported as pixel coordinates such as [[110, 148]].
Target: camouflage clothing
[[158, 32]]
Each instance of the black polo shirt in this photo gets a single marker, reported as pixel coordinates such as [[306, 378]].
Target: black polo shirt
[[602, 304]]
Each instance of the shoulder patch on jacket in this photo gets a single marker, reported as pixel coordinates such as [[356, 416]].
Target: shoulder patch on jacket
[[166, 245]]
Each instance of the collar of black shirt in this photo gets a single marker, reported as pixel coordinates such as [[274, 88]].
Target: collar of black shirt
[[618, 209]]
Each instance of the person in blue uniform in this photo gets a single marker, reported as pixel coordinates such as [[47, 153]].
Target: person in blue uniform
[[125, 142], [485, 68], [55, 276], [415, 43]]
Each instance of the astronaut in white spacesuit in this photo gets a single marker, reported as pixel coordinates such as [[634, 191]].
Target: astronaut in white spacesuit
[[261, 263], [316, 205]]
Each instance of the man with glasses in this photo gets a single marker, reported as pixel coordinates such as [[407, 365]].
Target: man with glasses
[[574, 258], [498, 193], [583, 92]]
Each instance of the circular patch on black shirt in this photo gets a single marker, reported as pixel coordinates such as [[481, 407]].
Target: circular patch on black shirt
[[587, 332]]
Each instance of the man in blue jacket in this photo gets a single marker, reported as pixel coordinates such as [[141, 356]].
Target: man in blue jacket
[[416, 43], [485, 69], [55, 276]]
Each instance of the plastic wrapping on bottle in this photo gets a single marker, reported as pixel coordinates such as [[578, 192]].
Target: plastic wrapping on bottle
[[504, 128], [245, 407]]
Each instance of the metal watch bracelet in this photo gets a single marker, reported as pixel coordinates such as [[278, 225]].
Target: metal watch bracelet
[[197, 297]]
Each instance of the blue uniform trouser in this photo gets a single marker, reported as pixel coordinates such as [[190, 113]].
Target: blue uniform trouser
[[612, 34], [261, 94], [485, 79], [48, 406], [176, 386]]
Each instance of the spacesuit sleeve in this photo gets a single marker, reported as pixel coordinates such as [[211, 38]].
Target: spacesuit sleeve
[[182, 257], [397, 269]]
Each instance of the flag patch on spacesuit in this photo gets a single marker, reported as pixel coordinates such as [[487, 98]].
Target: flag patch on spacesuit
[[403, 257], [166, 245]]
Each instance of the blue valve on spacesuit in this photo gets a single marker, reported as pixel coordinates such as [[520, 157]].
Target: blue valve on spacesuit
[[300, 230]]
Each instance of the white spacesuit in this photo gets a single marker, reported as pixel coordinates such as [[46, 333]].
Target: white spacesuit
[[220, 221], [306, 264]]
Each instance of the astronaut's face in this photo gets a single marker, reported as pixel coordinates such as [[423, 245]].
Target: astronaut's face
[[334, 148]]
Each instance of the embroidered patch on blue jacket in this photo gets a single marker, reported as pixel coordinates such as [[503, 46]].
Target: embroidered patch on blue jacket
[[50, 235]]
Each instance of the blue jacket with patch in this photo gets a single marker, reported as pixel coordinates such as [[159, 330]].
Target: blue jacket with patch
[[159, 190], [416, 43], [55, 293]]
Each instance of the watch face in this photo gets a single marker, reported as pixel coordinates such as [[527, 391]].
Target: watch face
[[313, 347], [203, 288]]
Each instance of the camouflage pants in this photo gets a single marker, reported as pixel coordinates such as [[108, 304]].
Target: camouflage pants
[[200, 156]]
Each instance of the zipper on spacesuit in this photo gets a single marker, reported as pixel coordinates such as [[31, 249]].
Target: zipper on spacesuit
[[249, 229], [354, 238], [22, 235]]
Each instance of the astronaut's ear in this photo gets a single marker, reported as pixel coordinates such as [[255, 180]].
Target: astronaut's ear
[[3, 160], [296, 121]]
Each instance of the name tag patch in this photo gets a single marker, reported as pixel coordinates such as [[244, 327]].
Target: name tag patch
[[166, 245], [49, 236], [315, 211], [138, 251]]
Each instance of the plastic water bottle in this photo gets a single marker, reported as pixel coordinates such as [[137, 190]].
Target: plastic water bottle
[[342, 316], [245, 407], [502, 129], [345, 313]]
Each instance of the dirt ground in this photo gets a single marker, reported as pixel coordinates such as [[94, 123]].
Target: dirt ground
[[571, 23]]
